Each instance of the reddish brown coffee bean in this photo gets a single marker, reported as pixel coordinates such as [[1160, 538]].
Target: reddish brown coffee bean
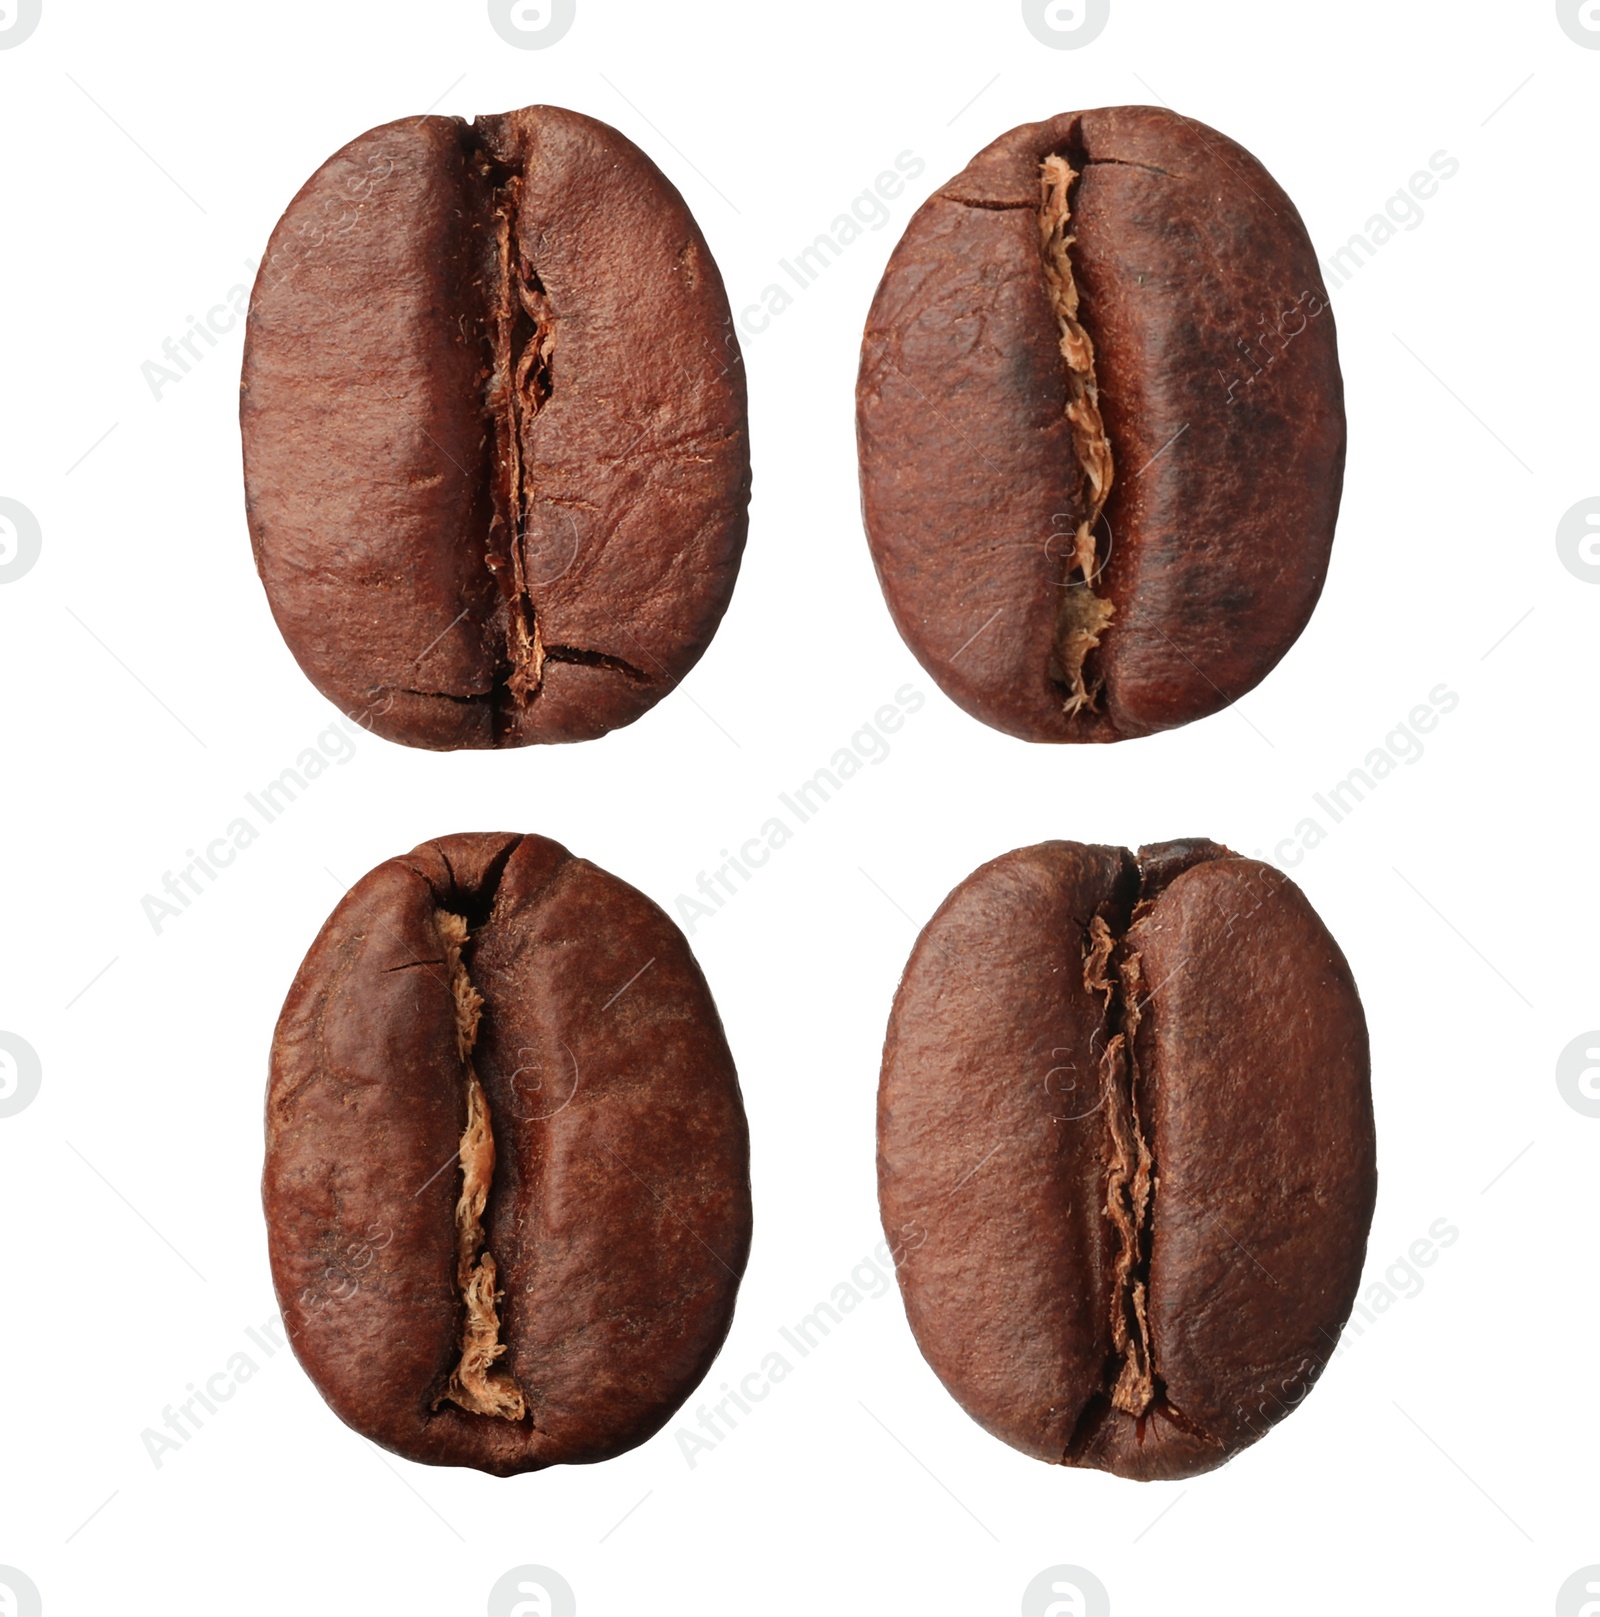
[[506, 1187], [1125, 1107], [496, 455], [1101, 426]]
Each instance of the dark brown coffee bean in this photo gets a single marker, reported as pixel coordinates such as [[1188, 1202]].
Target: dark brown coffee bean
[[496, 456], [1125, 1151], [506, 1186], [1101, 426]]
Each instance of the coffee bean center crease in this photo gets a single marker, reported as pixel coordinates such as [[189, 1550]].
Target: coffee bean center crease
[[521, 380], [1084, 615], [1113, 970], [479, 1384]]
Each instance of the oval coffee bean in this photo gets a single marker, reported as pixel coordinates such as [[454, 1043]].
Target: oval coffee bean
[[1101, 426], [506, 1187], [1125, 1151], [495, 446]]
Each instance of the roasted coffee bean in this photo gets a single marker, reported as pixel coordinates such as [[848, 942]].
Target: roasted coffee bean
[[1125, 1151], [496, 456], [506, 1185], [1101, 427]]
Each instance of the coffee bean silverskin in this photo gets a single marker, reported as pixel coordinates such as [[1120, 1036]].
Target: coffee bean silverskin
[[507, 1171], [1125, 1151], [1101, 427], [495, 443]]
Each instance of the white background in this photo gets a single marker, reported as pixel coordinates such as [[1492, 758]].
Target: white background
[[1446, 1459]]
